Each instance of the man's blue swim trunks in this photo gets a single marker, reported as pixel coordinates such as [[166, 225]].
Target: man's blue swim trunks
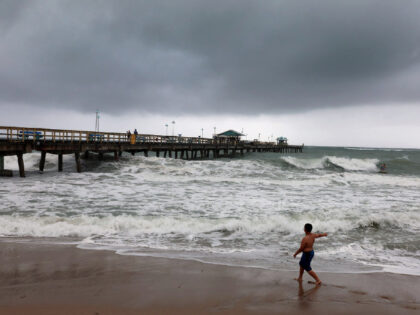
[[305, 260]]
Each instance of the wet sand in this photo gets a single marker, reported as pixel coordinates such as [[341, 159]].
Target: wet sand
[[61, 279]]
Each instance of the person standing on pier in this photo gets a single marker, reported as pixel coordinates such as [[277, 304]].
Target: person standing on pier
[[128, 135]]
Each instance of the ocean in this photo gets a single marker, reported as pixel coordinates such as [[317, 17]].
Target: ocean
[[247, 211]]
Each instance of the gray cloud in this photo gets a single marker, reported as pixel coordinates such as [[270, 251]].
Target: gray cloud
[[245, 57]]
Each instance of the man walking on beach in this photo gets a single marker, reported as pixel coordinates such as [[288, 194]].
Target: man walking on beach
[[306, 248]]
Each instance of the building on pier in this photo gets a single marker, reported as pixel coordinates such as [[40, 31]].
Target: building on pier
[[281, 140], [229, 136]]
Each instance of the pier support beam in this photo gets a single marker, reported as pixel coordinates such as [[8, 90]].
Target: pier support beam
[[21, 165], [86, 155], [4, 172], [146, 153], [42, 161], [100, 156], [157, 153], [165, 153], [60, 162], [116, 156], [182, 154], [77, 159], [132, 153]]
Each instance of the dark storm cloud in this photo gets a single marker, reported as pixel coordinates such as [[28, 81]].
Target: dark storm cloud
[[246, 57]]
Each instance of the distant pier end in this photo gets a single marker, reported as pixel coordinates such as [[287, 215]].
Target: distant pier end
[[19, 140]]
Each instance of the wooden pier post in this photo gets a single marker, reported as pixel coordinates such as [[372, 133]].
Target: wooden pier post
[[176, 154], [116, 156], [86, 155], [182, 154], [4, 172], [42, 161], [100, 156], [133, 153], [186, 154], [157, 153], [21, 165], [60, 162], [146, 153], [77, 159], [170, 153], [165, 153]]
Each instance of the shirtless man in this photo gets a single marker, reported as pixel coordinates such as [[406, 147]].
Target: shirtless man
[[306, 247]]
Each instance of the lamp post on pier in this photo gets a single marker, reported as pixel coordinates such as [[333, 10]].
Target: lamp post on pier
[[166, 125], [173, 127], [97, 121], [202, 132]]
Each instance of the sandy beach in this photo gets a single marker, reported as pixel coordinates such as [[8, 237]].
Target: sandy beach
[[62, 279]]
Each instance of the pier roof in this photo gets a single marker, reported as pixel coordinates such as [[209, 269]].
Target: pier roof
[[230, 133]]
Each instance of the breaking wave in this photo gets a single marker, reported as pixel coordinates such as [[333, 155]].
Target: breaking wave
[[85, 225], [333, 163]]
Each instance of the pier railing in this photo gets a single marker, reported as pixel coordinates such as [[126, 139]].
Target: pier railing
[[23, 134]]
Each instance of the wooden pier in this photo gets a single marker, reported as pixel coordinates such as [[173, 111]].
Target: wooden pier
[[18, 141]]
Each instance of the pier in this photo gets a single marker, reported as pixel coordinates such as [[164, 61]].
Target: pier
[[19, 141]]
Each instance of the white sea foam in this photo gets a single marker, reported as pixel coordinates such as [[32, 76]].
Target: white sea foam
[[349, 164], [242, 211]]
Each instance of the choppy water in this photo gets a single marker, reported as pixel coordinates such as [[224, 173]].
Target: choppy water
[[247, 211]]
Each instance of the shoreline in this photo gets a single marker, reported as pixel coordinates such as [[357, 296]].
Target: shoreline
[[63, 279], [70, 241]]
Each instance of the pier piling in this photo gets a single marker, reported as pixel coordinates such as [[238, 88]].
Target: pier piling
[[42, 161], [21, 165], [60, 162], [77, 159]]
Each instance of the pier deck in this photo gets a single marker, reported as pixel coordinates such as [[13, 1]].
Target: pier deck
[[19, 140]]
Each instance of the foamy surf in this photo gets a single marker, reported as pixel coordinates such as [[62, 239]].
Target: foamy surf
[[248, 211]]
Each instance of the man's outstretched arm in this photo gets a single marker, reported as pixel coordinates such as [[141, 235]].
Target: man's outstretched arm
[[321, 235]]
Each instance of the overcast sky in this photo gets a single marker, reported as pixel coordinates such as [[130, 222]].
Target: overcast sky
[[319, 72]]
